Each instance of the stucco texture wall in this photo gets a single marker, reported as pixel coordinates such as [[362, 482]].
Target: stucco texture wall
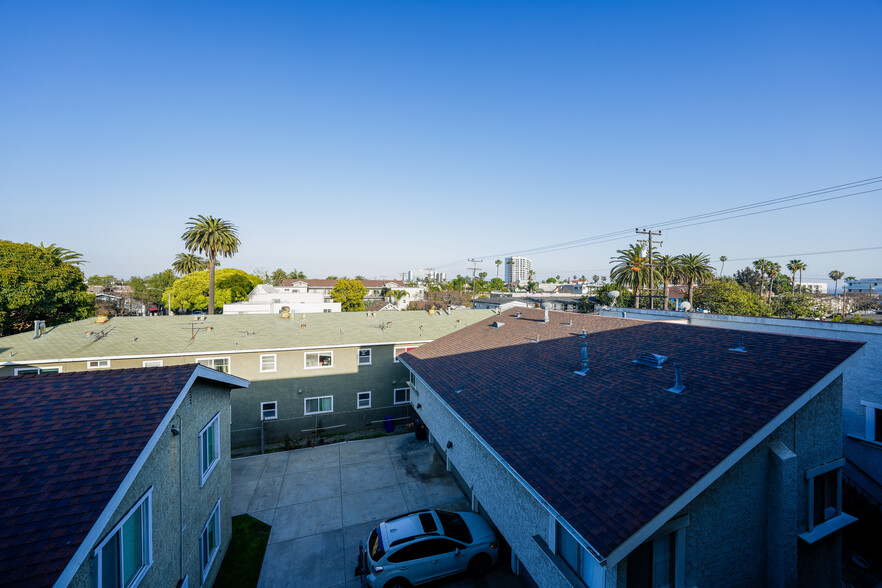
[[162, 472]]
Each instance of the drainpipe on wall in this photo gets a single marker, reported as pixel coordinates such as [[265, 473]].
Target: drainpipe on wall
[[181, 487]]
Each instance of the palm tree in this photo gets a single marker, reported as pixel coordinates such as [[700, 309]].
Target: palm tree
[[631, 271], [211, 236], [696, 268], [668, 267], [498, 262], [836, 275], [795, 265], [723, 260], [761, 265], [187, 263], [62, 255], [773, 270], [595, 278]]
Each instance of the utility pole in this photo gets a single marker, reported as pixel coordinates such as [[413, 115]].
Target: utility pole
[[474, 269], [651, 286]]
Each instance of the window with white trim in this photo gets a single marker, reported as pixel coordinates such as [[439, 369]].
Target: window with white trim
[[873, 421], [318, 405], [97, 364], [399, 350], [401, 395], [209, 541], [651, 564], [364, 357], [152, 363], [125, 555], [269, 411], [824, 501], [363, 400], [268, 363], [221, 364], [37, 370], [209, 448], [318, 359]]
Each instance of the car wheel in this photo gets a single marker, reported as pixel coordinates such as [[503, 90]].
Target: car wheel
[[479, 565], [397, 583]]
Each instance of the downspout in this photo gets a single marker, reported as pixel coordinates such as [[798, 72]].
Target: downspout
[[181, 488]]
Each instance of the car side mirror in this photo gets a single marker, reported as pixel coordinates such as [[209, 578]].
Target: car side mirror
[[457, 551]]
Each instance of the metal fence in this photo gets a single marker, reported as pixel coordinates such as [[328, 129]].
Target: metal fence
[[308, 431]]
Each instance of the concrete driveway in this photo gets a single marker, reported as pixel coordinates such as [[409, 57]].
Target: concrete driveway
[[322, 501]]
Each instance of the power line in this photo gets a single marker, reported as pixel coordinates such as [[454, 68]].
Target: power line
[[806, 254]]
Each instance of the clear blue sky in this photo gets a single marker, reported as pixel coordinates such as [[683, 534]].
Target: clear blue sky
[[375, 137]]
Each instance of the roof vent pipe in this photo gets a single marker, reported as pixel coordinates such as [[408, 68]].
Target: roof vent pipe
[[584, 334], [517, 315], [546, 315], [584, 369], [741, 348], [678, 383], [39, 326]]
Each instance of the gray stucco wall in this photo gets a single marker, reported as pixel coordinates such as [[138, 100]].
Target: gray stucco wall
[[162, 472]]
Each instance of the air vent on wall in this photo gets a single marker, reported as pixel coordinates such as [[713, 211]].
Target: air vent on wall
[[651, 359]]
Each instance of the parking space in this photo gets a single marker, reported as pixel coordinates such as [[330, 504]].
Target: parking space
[[322, 501]]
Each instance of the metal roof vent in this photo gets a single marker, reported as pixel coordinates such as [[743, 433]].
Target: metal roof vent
[[741, 348], [39, 327], [678, 382], [517, 315], [651, 359], [496, 324], [584, 369], [546, 315], [584, 334]]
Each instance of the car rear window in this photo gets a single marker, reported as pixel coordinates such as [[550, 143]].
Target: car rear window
[[375, 544], [454, 526]]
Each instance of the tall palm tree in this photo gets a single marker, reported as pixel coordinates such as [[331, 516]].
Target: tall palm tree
[[631, 270], [696, 268], [836, 275], [795, 265], [63, 255], [774, 269], [498, 262], [211, 236], [668, 267], [723, 260], [801, 267], [761, 265], [187, 263]]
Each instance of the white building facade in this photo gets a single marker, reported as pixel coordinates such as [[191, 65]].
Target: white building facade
[[517, 270]]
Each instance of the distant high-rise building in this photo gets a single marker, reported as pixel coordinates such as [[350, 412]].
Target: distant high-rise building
[[517, 270], [422, 275]]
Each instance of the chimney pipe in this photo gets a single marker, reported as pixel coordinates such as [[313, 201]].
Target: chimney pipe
[[38, 328], [546, 314], [584, 369], [678, 384]]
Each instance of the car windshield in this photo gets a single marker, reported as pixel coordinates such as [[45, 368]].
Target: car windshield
[[454, 526], [375, 545]]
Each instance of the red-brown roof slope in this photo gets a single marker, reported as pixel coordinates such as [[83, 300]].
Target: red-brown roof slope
[[611, 449], [68, 440]]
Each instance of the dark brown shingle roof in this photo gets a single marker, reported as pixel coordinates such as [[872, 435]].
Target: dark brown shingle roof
[[611, 449]]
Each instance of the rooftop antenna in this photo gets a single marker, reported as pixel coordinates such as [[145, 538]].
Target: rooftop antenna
[[584, 369], [678, 383], [741, 348]]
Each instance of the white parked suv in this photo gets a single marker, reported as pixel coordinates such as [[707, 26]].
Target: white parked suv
[[421, 546]]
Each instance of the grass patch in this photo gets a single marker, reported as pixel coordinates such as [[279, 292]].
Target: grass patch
[[241, 566]]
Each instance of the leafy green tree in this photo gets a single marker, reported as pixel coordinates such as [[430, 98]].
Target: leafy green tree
[[187, 263], [296, 275], [497, 284], [836, 275], [149, 290], [458, 283], [550, 281], [277, 276], [192, 292], [798, 305], [725, 296], [63, 255], [37, 285], [696, 269], [212, 237], [749, 279], [602, 297], [350, 294], [104, 281], [332, 278]]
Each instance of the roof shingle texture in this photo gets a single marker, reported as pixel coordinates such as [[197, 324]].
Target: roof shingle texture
[[68, 440], [611, 449]]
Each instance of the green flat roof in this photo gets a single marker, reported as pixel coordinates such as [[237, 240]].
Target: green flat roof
[[137, 336]]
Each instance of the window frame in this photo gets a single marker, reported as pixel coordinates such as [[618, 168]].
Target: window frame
[[369, 356], [358, 400], [318, 355], [147, 541], [274, 359], [152, 362], [834, 468], [99, 364], [206, 565], [395, 399], [275, 410], [319, 398], [403, 349], [873, 412], [205, 471], [213, 359], [54, 369]]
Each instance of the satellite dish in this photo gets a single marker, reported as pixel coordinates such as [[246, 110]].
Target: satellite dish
[[685, 306], [613, 294]]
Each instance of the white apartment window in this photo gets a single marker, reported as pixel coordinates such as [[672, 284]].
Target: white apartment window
[[873, 421], [126, 553], [572, 553], [268, 363], [318, 405], [152, 363], [269, 411], [318, 359], [400, 350], [364, 357], [364, 400], [209, 541], [824, 501], [98, 364], [221, 364], [209, 448], [37, 370], [401, 395]]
